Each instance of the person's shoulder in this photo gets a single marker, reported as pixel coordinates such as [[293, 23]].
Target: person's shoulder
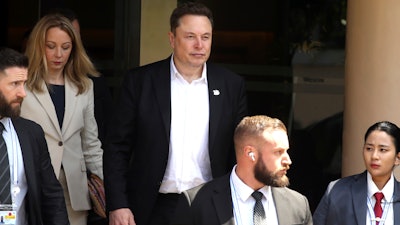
[[349, 179], [97, 79], [140, 74], [150, 67], [26, 124], [344, 183], [286, 194], [290, 193], [221, 70], [205, 189]]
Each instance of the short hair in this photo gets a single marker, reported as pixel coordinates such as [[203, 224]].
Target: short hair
[[253, 127], [189, 8], [12, 58], [389, 128]]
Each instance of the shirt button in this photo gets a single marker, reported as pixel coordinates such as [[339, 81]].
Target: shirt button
[[60, 143]]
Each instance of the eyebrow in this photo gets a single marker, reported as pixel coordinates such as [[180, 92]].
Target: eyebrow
[[380, 145], [191, 32], [53, 42]]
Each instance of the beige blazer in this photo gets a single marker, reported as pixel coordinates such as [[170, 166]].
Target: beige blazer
[[76, 146]]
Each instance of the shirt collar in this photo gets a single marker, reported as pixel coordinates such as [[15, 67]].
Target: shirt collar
[[387, 190], [175, 75], [243, 191], [6, 123]]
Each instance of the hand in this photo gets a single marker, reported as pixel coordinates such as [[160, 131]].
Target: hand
[[122, 216]]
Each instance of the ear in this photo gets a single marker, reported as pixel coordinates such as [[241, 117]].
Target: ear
[[171, 38], [247, 149], [397, 161]]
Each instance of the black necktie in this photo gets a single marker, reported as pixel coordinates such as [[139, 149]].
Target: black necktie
[[5, 183], [259, 217]]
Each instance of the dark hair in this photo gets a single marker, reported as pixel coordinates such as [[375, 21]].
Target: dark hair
[[189, 8], [390, 128], [68, 13], [12, 58]]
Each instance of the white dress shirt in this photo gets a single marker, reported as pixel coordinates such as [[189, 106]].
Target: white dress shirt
[[243, 202], [387, 191], [17, 170], [188, 161]]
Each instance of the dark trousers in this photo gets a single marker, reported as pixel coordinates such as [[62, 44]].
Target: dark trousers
[[94, 219], [164, 209]]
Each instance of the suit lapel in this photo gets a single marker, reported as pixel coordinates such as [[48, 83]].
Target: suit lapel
[[25, 147], [281, 204], [223, 201], [47, 104], [215, 94], [70, 104], [359, 193], [162, 89], [396, 201]]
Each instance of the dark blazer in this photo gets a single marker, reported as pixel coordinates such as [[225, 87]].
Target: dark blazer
[[103, 106], [45, 202], [345, 203], [211, 204], [137, 151]]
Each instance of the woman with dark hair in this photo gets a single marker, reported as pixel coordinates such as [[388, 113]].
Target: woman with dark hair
[[372, 197]]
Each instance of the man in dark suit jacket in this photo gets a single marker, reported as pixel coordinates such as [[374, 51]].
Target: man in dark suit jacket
[[39, 198], [149, 158], [262, 161]]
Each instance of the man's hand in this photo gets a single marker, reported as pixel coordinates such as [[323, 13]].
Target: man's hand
[[122, 216]]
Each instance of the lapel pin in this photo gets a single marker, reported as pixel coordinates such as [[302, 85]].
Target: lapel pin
[[216, 92]]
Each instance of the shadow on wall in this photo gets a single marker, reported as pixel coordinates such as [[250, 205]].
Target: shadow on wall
[[316, 155]]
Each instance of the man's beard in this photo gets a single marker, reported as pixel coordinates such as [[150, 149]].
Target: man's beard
[[269, 178], [6, 109]]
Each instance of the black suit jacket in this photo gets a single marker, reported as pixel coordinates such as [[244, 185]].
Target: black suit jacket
[[345, 202], [137, 151], [45, 204], [103, 106], [211, 204]]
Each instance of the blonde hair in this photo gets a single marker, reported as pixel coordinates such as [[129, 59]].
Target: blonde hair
[[253, 127], [78, 66]]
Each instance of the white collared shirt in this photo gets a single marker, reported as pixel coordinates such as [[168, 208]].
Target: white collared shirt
[[16, 163], [188, 161], [387, 191], [243, 202]]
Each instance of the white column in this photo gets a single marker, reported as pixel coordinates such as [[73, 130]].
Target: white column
[[372, 74]]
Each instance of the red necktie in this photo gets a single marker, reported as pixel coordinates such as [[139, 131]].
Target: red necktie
[[378, 208]]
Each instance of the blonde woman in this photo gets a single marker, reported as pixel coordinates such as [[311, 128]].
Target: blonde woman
[[60, 99]]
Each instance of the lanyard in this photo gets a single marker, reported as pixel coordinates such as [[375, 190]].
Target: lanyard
[[372, 213], [14, 185], [235, 204]]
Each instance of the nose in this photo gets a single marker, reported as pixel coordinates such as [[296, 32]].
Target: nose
[[375, 154], [58, 52], [287, 160], [199, 43], [21, 92]]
